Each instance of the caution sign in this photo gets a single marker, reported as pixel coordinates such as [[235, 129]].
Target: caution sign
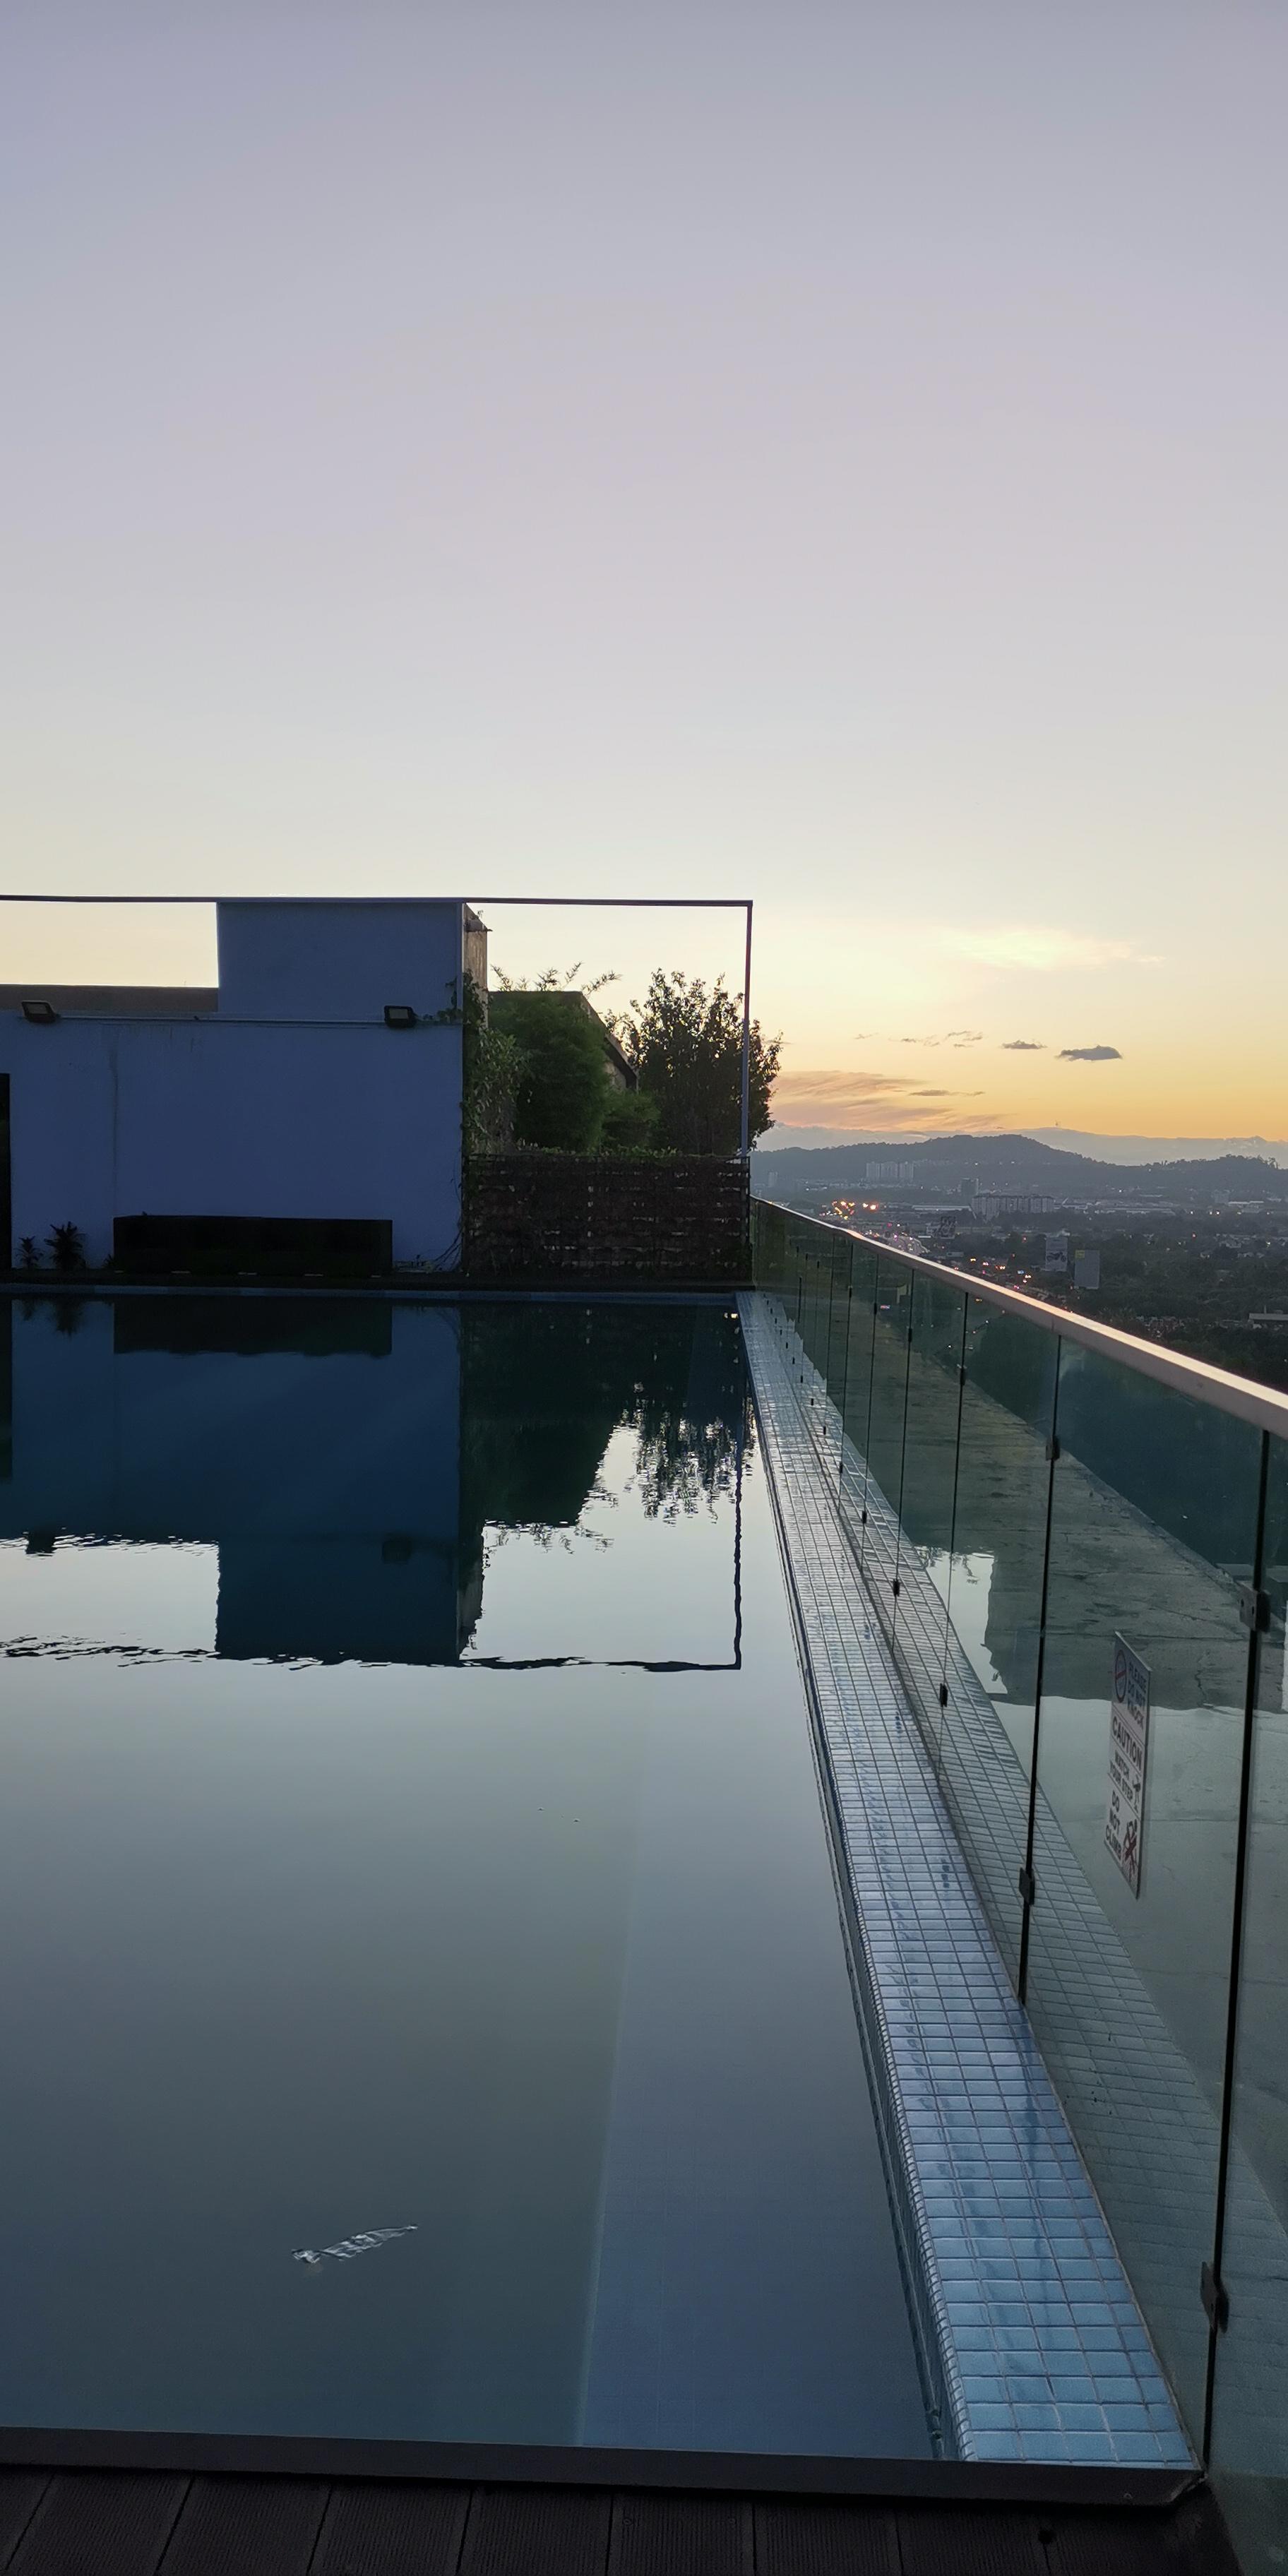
[[1128, 1755]]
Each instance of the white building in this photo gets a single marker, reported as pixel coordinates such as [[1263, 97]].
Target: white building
[[319, 1082], [995, 1203]]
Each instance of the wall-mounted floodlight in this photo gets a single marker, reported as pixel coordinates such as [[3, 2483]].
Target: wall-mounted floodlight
[[40, 1013], [399, 1015]]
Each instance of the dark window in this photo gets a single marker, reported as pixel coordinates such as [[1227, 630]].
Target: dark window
[[273, 1247]]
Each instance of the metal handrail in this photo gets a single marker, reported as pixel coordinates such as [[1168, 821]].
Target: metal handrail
[[1241, 1396]]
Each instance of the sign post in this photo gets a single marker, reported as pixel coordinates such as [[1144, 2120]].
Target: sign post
[[1128, 1754]]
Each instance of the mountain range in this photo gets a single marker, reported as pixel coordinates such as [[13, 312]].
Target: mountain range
[[1069, 1140], [954, 1166]]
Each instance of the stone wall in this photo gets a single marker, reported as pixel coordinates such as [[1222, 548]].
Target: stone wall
[[541, 1218]]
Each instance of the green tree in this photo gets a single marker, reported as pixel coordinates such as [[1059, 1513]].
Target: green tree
[[563, 1090], [630, 1123], [685, 1041]]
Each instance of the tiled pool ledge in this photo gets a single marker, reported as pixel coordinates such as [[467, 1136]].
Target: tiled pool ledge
[[1033, 2342]]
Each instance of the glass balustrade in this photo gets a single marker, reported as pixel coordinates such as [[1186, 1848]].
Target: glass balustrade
[[1076, 1551]]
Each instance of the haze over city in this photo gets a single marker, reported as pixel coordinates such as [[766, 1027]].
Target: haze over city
[[828, 456]]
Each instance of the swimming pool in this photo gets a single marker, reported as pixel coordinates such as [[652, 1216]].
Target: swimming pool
[[423, 1999]]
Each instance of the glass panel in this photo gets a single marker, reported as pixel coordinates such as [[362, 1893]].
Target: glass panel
[[991, 1586], [806, 1269], [858, 1364], [832, 1253], [889, 1369], [767, 1247], [929, 1487], [835, 1356], [774, 1259], [858, 1378], [1153, 1526], [1250, 2419], [838, 1319], [807, 1287], [821, 1258], [806, 1244]]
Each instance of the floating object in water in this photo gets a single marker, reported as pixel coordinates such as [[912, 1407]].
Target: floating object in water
[[348, 2246]]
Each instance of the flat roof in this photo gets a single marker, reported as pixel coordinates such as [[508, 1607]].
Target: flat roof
[[115, 1001]]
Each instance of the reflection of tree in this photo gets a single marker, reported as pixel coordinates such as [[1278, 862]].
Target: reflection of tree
[[546, 1385], [681, 1463], [564, 1538]]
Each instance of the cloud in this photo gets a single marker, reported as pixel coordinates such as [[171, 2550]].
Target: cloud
[[1021, 945], [828, 1097], [1091, 1055], [966, 1037], [831, 1085], [1023, 1046], [884, 1120]]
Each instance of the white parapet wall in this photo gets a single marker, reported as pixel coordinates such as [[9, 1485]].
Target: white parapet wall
[[287, 960]]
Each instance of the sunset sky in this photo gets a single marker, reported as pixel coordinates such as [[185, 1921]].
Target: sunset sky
[[828, 453]]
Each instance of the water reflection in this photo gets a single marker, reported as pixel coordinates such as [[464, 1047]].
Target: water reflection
[[372, 1931], [357, 1465]]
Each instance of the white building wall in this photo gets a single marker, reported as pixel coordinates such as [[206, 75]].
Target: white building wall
[[337, 961], [212, 1118]]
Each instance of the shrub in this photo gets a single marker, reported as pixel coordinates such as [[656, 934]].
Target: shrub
[[494, 1065], [67, 1247]]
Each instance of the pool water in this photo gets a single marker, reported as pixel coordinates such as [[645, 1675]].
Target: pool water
[[410, 1834]]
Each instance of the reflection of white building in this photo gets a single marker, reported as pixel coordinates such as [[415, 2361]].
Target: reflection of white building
[[326, 1470], [319, 1081]]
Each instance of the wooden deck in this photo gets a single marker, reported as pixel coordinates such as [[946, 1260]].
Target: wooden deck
[[150, 2522]]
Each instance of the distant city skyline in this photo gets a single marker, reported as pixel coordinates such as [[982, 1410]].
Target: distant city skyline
[[835, 457]]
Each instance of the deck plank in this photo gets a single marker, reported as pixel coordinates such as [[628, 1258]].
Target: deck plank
[[393, 2530], [682, 2535], [809, 2539], [101, 2522], [537, 2531], [250, 2526], [1190, 2541], [20, 2493], [970, 2540]]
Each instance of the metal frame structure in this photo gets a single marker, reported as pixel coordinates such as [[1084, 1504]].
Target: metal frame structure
[[569, 902]]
